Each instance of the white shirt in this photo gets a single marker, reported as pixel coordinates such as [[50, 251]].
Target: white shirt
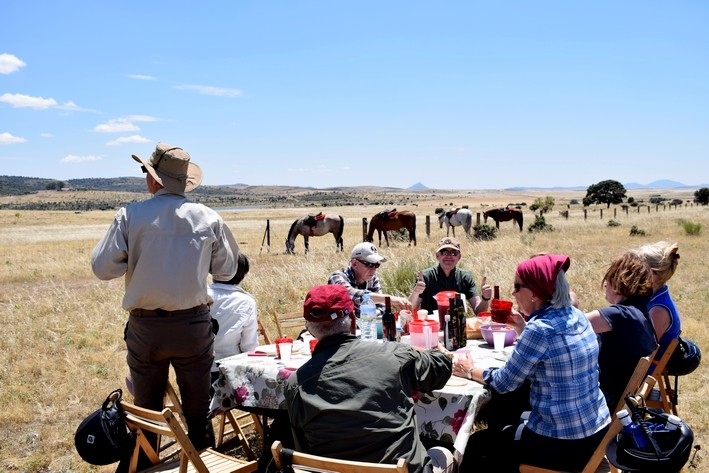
[[235, 310]]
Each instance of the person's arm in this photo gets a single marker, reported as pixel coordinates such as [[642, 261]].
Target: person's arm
[[249, 332], [109, 259], [660, 318], [223, 264], [416, 293], [598, 322]]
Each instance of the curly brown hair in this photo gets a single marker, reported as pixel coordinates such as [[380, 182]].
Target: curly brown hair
[[629, 275]]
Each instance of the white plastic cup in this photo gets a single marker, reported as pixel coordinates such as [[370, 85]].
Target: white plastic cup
[[286, 350], [498, 340]]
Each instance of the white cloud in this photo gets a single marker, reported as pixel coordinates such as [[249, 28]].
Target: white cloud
[[123, 124], [27, 101], [10, 63], [140, 77], [127, 139], [73, 159], [8, 139], [210, 90], [46, 135], [117, 125]]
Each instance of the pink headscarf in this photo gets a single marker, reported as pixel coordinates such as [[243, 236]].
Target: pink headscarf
[[540, 272]]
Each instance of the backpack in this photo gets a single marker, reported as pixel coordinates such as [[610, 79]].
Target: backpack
[[685, 359]]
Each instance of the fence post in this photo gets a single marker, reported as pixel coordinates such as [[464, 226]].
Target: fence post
[[477, 218], [601, 214], [614, 212], [585, 214], [648, 209], [428, 226], [364, 228]]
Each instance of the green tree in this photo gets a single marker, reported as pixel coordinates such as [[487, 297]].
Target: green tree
[[701, 196], [543, 204], [605, 192]]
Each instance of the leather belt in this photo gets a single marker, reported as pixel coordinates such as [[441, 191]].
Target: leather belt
[[168, 313]]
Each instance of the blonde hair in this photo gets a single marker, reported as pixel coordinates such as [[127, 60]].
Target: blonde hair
[[663, 258]]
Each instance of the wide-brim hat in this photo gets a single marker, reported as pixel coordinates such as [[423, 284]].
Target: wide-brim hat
[[449, 243], [170, 166]]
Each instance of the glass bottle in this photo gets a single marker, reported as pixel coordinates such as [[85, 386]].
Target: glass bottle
[[496, 292], [462, 321], [388, 322]]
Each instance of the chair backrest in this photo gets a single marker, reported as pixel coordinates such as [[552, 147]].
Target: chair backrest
[[639, 386], [264, 339], [163, 423], [315, 463], [288, 323], [660, 364]]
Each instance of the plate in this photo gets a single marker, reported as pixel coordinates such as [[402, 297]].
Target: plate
[[267, 349], [454, 381]]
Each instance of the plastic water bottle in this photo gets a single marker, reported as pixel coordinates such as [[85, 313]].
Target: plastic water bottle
[[368, 318], [673, 422], [633, 431]]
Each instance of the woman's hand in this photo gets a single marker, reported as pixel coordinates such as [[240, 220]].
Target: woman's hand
[[517, 320], [463, 366]]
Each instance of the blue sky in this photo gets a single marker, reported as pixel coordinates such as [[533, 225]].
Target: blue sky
[[453, 94]]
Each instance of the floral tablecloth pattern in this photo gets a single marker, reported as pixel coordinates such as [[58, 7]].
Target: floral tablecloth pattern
[[446, 415]]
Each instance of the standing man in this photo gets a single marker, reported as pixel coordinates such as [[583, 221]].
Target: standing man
[[361, 276], [353, 400], [165, 247], [445, 276]]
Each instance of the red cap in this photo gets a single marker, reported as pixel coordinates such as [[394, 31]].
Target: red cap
[[327, 302]]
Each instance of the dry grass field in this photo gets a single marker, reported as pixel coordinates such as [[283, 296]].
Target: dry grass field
[[61, 350]]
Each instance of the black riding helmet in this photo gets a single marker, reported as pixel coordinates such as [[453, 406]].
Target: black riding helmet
[[674, 448]]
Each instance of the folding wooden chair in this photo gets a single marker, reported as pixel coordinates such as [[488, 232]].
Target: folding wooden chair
[[264, 339], [233, 422], [286, 323], [668, 395], [639, 386], [165, 424], [305, 462]]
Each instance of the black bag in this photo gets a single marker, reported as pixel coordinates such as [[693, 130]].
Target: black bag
[[685, 359], [103, 437]]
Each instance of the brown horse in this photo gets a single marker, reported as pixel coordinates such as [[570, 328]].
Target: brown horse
[[316, 225], [505, 215], [392, 220]]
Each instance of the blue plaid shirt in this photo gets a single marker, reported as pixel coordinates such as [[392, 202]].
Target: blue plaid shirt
[[558, 352], [346, 277]]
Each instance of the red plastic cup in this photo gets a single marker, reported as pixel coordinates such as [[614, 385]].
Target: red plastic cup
[[500, 310]]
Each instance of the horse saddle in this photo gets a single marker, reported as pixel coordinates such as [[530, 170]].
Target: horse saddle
[[450, 213], [312, 220], [388, 213]]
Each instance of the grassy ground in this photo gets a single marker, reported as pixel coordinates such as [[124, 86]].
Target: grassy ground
[[61, 350]]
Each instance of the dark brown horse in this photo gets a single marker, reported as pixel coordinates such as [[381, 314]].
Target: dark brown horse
[[316, 225], [392, 220], [505, 215]]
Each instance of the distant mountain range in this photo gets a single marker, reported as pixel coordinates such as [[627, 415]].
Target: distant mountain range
[[16, 185], [659, 184]]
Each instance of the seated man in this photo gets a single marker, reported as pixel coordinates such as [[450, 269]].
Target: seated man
[[361, 276], [353, 399], [446, 276]]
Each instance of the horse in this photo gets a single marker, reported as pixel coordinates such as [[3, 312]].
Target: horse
[[505, 215], [454, 218], [316, 225], [392, 220]]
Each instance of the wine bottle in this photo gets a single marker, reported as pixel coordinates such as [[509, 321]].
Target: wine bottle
[[496, 292], [453, 314], [388, 322], [448, 335], [462, 321]]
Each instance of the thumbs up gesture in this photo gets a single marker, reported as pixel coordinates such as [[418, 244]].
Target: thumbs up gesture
[[420, 285], [485, 289]]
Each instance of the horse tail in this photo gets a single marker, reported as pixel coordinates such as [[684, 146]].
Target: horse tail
[[370, 231], [467, 221], [413, 230], [520, 220], [338, 235]]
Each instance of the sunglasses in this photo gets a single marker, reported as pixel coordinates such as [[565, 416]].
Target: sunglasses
[[368, 264], [518, 286], [450, 252]]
